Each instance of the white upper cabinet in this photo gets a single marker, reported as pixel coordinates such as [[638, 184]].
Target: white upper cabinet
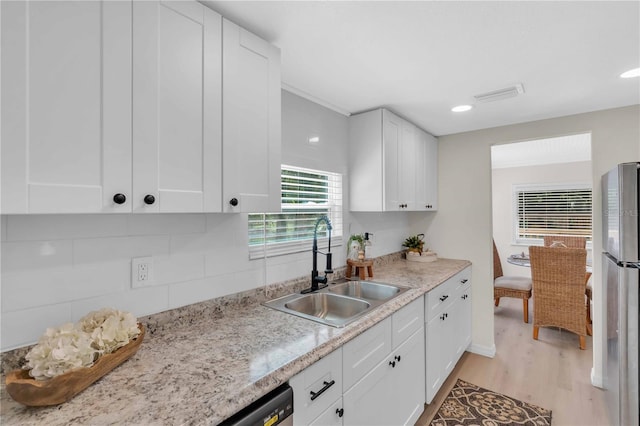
[[66, 106], [176, 107], [117, 106], [427, 172], [251, 122], [392, 164]]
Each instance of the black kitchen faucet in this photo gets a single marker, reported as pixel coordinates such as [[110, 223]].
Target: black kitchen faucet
[[318, 282]]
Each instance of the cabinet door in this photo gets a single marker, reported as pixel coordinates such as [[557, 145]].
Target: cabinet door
[[426, 171], [463, 319], [407, 166], [66, 106], [408, 380], [435, 353], [332, 416], [251, 122], [176, 107], [441, 348], [368, 402], [392, 136], [392, 392]]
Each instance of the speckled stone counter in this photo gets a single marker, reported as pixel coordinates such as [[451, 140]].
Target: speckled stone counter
[[205, 362]]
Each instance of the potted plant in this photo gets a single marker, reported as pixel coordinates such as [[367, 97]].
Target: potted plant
[[414, 244], [355, 245]]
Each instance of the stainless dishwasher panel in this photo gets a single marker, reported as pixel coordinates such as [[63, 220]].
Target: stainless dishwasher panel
[[275, 408]]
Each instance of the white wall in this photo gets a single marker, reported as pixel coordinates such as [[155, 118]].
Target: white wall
[[56, 268], [503, 180], [462, 228]]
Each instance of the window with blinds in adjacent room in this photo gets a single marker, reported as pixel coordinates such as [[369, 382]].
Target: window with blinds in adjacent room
[[562, 210]]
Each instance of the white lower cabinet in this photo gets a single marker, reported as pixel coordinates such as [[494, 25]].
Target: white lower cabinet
[[448, 330], [391, 393], [332, 416], [383, 371], [317, 388], [463, 318]]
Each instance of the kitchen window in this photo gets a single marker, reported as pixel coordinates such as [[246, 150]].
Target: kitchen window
[[306, 195], [541, 210]]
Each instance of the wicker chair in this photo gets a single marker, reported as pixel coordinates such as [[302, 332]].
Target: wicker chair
[[575, 242], [569, 241], [510, 286], [558, 289]]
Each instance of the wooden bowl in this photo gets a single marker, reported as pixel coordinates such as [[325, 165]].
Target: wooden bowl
[[37, 393]]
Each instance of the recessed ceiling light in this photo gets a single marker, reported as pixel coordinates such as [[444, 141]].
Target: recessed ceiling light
[[461, 108], [631, 73], [314, 139]]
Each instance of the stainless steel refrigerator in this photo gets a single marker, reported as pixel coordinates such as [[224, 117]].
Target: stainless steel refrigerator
[[621, 272]]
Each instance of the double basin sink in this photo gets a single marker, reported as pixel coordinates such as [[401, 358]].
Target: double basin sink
[[338, 304]]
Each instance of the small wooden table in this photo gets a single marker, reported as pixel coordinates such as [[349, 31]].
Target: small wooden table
[[360, 266]]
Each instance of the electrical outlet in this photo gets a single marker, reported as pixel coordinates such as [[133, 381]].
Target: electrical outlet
[[141, 271]]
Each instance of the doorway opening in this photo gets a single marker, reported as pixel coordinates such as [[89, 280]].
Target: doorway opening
[[540, 188]]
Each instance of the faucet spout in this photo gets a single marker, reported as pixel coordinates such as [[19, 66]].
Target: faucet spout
[[318, 282]]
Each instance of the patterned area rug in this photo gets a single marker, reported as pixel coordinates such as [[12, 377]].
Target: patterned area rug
[[470, 405]]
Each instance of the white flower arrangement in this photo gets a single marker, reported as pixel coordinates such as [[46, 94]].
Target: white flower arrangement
[[110, 329], [72, 346]]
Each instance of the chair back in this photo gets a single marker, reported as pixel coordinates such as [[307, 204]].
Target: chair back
[[558, 275], [497, 265], [568, 241]]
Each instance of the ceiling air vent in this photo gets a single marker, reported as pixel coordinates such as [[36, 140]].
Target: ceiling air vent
[[498, 95]]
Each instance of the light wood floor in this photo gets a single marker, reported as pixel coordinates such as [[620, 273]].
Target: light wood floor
[[551, 372]]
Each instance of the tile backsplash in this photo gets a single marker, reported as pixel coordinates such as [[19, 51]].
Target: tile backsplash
[[56, 268]]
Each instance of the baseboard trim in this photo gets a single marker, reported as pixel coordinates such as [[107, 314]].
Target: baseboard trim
[[597, 380], [488, 351]]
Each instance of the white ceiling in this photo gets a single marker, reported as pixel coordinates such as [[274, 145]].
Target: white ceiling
[[420, 58], [560, 150]]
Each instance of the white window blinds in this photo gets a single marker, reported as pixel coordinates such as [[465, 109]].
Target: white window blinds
[[306, 195], [552, 211]]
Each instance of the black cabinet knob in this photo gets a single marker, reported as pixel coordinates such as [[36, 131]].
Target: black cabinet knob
[[233, 202], [149, 199], [340, 412], [119, 198]]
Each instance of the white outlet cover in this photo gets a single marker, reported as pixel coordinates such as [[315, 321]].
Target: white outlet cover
[[135, 265]]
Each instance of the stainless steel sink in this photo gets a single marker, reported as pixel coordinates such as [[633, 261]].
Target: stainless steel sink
[[326, 308], [367, 290], [339, 304]]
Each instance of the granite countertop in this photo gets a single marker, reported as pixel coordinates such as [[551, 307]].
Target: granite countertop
[[205, 368]]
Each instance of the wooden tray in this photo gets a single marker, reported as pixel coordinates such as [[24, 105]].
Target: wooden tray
[[427, 256], [36, 393]]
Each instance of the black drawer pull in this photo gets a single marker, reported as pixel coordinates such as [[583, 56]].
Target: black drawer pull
[[340, 412], [397, 358], [326, 386], [392, 364], [445, 297], [464, 281]]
